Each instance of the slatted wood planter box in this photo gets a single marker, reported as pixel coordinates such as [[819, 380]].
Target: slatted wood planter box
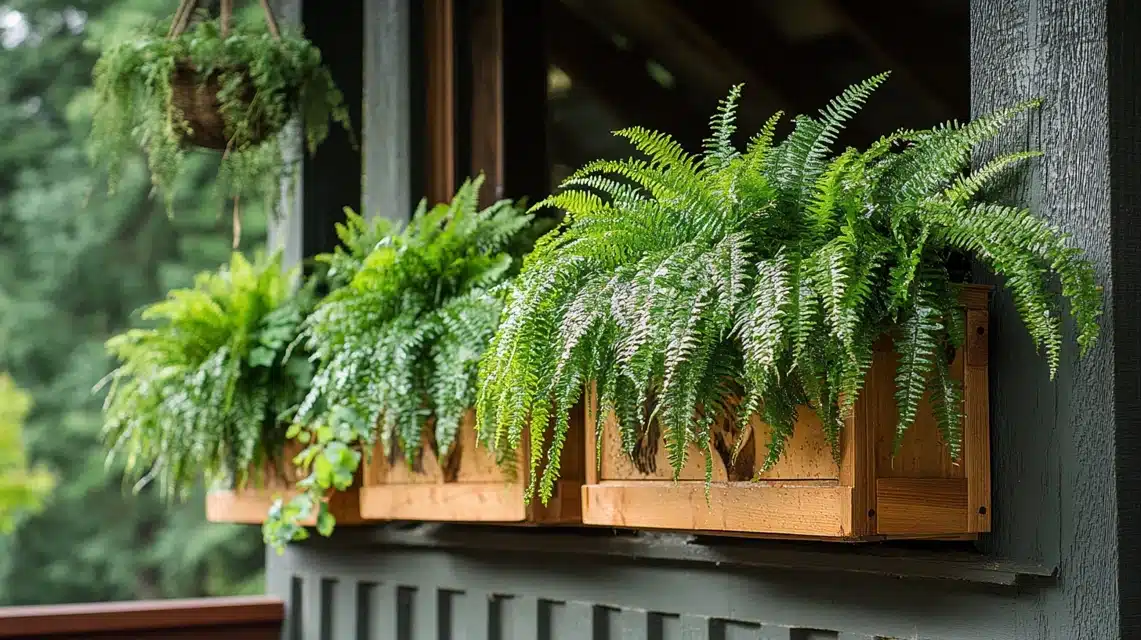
[[869, 495], [250, 505], [471, 488]]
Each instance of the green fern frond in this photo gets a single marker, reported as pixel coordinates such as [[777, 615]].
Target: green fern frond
[[719, 149], [398, 347], [200, 391], [687, 286]]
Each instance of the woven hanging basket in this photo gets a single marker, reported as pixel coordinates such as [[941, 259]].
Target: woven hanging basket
[[195, 97]]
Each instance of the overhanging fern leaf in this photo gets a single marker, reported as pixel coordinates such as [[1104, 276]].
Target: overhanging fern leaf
[[687, 287]]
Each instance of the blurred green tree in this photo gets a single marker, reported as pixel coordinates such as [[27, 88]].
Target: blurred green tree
[[74, 264], [22, 490]]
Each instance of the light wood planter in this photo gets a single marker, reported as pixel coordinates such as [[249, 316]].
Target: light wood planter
[[869, 495], [251, 504], [471, 488]]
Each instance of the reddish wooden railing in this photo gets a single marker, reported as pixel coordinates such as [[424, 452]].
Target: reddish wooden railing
[[248, 618]]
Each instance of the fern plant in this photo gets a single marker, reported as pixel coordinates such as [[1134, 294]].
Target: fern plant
[[263, 81], [756, 282], [397, 348], [207, 390]]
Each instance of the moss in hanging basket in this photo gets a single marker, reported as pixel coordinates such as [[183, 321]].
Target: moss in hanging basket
[[234, 94]]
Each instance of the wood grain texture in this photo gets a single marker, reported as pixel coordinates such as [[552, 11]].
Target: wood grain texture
[[251, 618], [858, 467], [250, 504], [590, 434], [1055, 495], [806, 456], [782, 508], [468, 462], [466, 502], [921, 506], [386, 129], [487, 97], [439, 43], [922, 452], [976, 414], [867, 453], [470, 486]]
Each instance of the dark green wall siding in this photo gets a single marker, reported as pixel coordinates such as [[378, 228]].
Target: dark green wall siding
[[386, 593]]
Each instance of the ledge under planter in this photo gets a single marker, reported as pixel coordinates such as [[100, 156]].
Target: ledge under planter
[[250, 505], [920, 493], [471, 487]]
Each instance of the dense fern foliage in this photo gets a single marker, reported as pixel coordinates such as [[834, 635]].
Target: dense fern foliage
[[264, 83], [680, 282], [209, 388], [397, 348]]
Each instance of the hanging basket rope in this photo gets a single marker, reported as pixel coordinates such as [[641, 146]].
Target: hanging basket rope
[[196, 97]]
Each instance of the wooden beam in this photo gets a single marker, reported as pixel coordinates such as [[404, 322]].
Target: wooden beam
[[504, 93], [439, 43], [485, 20], [251, 618], [331, 179], [387, 130]]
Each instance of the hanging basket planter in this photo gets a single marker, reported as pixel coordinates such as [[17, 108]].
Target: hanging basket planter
[[221, 85], [195, 95], [196, 99]]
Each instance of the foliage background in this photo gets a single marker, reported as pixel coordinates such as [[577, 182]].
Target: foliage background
[[74, 264]]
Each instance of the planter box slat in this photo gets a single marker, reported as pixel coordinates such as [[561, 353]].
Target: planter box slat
[[466, 502], [872, 492], [250, 505], [471, 487], [906, 506], [785, 508]]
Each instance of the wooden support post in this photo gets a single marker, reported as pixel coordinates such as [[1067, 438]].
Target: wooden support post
[[439, 43], [507, 96], [330, 179]]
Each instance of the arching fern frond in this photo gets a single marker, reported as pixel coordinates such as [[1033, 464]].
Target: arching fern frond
[[203, 391], [687, 287], [397, 349]]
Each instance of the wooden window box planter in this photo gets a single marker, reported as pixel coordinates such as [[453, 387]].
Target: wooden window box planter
[[869, 495], [250, 505], [472, 488]]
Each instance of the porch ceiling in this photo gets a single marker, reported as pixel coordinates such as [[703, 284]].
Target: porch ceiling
[[665, 64]]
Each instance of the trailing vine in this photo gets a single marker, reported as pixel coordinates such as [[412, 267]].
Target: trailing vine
[[209, 387], [397, 347], [765, 276], [262, 80]]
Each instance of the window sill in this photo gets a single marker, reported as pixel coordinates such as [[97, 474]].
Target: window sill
[[895, 561]]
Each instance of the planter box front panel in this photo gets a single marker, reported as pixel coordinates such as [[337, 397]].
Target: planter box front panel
[[470, 487], [920, 492], [251, 504]]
